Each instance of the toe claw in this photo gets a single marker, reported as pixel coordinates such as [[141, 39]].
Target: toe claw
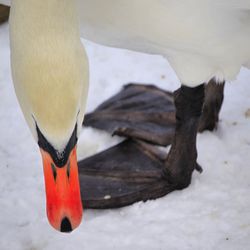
[[198, 168]]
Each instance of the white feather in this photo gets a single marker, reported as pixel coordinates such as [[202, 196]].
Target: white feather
[[200, 38]]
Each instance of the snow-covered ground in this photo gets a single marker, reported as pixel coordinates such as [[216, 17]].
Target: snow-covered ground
[[213, 213]]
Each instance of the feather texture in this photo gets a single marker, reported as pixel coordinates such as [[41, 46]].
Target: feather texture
[[49, 67], [200, 38]]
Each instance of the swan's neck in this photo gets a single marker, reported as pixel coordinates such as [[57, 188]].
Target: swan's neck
[[49, 65], [32, 18]]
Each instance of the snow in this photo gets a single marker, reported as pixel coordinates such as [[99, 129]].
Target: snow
[[213, 213]]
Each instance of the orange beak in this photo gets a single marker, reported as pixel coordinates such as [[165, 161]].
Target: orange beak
[[64, 205]]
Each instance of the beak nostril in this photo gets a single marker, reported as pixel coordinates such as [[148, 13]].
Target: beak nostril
[[66, 226]]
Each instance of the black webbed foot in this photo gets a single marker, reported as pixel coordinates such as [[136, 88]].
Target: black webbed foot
[[134, 170], [126, 173], [142, 112]]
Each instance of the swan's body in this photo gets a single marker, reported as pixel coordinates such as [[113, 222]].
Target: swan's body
[[200, 38]]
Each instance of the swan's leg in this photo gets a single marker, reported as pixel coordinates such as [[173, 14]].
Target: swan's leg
[[214, 95], [181, 160]]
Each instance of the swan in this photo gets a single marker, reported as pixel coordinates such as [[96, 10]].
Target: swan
[[201, 39]]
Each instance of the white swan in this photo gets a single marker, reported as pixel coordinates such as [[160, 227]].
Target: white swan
[[201, 39]]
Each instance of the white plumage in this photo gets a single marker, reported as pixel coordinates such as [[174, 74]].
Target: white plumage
[[200, 38]]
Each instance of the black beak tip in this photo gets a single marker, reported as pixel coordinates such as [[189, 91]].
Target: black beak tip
[[66, 226]]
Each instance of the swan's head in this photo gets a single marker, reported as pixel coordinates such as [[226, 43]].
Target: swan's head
[[52, 87]]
